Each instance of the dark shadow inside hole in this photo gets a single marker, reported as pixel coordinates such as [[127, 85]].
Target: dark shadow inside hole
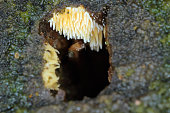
[[86, 75]]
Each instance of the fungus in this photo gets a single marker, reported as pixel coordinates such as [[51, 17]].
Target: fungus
[[77, 66], [51, 64], [76, 23]]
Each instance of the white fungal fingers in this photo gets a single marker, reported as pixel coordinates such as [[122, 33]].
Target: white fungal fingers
[[76, 23]]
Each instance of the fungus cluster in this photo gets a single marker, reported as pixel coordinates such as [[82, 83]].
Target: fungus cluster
[[71, 23], [76, 23], [51, 64]]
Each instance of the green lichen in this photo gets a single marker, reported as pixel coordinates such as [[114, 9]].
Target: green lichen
[[20, 17], [130, 72], [22, 111], [160, 9], [166, 40], [158, 100]]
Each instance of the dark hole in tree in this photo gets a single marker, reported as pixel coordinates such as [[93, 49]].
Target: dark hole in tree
[[85, 75]]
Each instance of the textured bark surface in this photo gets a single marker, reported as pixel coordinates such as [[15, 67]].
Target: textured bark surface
[[135, 55]]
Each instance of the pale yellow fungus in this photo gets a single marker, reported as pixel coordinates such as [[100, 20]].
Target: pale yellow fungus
[[16, 55], [76, 23], [51, 64]]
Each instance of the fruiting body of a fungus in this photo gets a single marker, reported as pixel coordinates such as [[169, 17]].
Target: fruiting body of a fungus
[[76, 23], [51, 64]]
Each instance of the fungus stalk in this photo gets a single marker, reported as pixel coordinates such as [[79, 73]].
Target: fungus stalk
[[76, 23]]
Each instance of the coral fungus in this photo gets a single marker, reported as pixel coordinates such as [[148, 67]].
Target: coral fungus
[[77, 23]]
